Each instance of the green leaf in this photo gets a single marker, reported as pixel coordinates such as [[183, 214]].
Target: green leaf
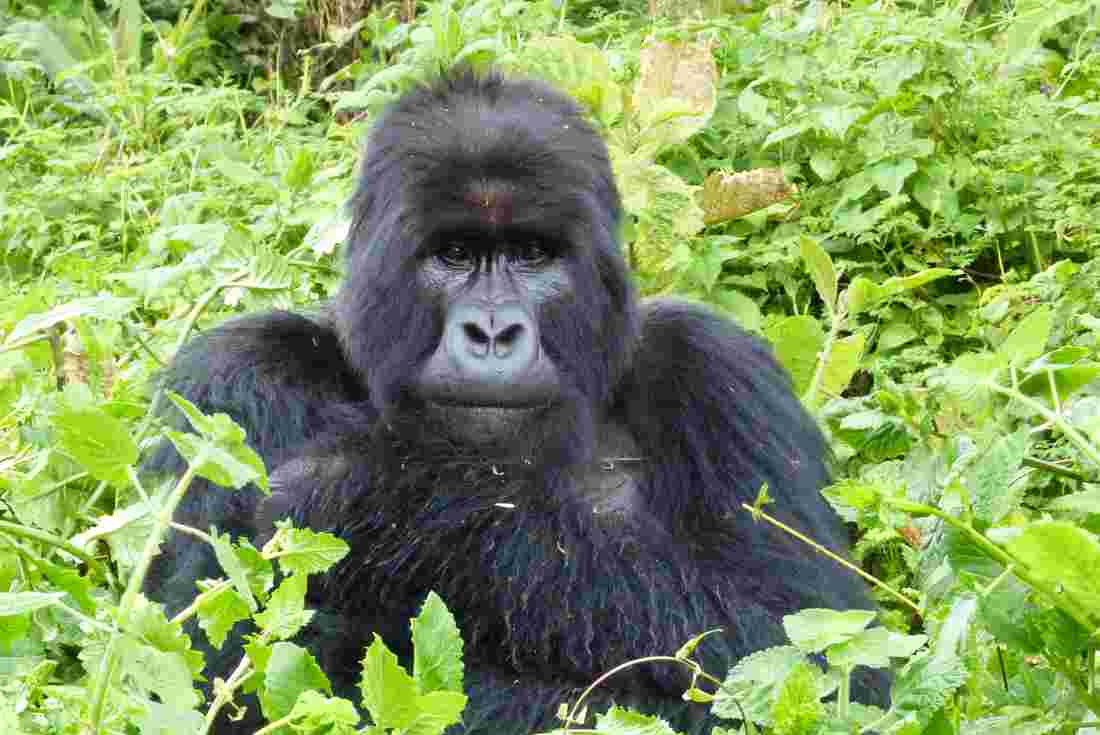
[[300, 173], [754, 682], [864, 293], [825, 165], [925, 684], [228, 468], [821, 269], [313, 710], [226, 459], [1063, 553], [437, 648], [815, 629], [302, 551], [619, 721], [285, 613], [101, 443], [219, 612], [1028, 340], [109, 308], [836, 119], [290, 671], [389, 693], [843, 362], [993, 481], [436, 712], [797, 341], [1068, 379], [798, 708], [18, 603], [874, 647], [890, 175]]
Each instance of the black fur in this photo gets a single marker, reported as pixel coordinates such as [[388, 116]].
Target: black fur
[[581, 533]]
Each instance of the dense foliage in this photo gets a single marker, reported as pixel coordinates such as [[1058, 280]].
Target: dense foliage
[[903, 198]]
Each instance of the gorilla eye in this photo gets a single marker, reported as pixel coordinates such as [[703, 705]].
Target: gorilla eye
[[532, 253], [456, 254]]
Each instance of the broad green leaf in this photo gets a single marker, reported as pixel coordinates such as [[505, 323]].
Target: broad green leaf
[[815, 629], [233, 568], [874, 647], [302, 551], [219, 612], [1081, 503], [157, 718], [1068, 379], [389, 693], [18, 603], [842, 364], [619, 721], [836, 119], [797, 341], [229, 467], [110, 308], [825, 165], [312, 710], [893, 71], [863, 293], [1065, 554], [437, 648], [1028, 340], [993, 481], [754, 682], [924, 685], [101, 443], [821, 269], [890, 175], [436, 711], [291, 671], [300, 173], [285, 613], [755, 107], [798, 708]]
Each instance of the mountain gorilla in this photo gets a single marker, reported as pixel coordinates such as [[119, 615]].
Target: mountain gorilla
[[487, 411]]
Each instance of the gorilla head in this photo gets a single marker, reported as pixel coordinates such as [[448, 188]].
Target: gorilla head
[[487, 295]]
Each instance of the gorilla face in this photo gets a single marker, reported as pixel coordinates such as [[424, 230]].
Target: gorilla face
[[486, 293], [492, 288]]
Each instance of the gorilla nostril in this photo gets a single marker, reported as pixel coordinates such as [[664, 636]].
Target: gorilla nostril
[[476, 339], [507, 340]]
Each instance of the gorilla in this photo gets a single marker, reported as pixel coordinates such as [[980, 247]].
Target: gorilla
[[487, 410]]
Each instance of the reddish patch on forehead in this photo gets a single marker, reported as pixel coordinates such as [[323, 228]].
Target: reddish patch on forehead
[[490, 206]]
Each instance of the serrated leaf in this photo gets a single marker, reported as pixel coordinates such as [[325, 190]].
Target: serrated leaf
[[874, 647], [302, 551], [993, 480], [389, 693], [101, 443], [752, 684], [437, 648], [619, 721], [285, 613], [219, 612], [312, 710], [290, 672], [815, 629], [228, 467]]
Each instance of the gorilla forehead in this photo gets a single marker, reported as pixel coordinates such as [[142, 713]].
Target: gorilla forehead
[[477, 150]]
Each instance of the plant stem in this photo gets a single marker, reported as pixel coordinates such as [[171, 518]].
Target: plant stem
[[133, 588]]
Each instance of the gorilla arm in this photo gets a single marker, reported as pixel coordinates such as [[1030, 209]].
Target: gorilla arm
[[283, 378]]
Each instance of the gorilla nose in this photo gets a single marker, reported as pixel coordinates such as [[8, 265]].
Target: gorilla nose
[[494, 343]]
